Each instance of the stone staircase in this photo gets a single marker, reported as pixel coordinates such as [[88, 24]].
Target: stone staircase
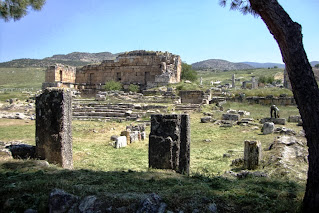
[[95, 110], [83, 110], [188, 107]]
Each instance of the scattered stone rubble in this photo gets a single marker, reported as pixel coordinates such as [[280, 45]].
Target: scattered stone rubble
[[130, 135], [61, 201], [16, 150], [289, 155]]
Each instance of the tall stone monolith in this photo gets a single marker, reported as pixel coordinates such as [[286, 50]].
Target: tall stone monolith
[[169, 142], [53, 126], [252, 154]]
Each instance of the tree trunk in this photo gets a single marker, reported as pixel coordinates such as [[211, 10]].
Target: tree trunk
[[304, 86]]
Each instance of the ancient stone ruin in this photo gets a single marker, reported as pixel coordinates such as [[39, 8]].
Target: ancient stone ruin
[[169, 142], [53, 127], [252, 154], [144, 68]]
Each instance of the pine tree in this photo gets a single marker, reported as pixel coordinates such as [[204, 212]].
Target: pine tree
[[288, 35], [16, 9]]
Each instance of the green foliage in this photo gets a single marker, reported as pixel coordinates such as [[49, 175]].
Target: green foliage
[[188, 73], [16, 9], [317, 65], [263, 79], [113, 85], [263, 92], [134, 88]]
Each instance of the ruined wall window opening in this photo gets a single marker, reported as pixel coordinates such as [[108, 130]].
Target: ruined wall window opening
[[118, 76], [60, 75], [147, 77], [136, 74], [91, 78]]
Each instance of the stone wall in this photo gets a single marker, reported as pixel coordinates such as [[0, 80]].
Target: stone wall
[[136, 67], [60, 73], [191, 96], [266, 100]]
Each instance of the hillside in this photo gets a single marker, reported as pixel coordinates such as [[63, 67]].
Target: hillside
[[71, 59], [217, 64], [264, 65], [271, 65]]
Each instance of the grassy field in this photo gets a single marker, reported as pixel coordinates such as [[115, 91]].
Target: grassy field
[[122, 175], [21, 78]]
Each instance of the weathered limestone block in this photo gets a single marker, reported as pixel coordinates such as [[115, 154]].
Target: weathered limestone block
[[169, 142], [230, 116], [206, 119], [121, 142], [252, 154], [294, 118], [134, 136], [100, 97], [127, 135], [53, 127], [268, 128], [280, 121]]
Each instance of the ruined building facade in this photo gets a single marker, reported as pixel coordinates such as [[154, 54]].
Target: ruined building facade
[[144, 68]]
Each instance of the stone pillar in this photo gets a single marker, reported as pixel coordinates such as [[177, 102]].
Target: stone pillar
[[252, 154], [233, 81], [286, 80], [169, 142], [201, 81], [53, 127], [254, 83]]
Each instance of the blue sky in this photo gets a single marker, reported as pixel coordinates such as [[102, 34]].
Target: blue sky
[[194, 29]]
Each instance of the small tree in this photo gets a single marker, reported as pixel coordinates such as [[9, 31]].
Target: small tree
[[270, 79], [262, 79], [16, 9], [188, 73], [133, 88], [317, 66], [113, 85]]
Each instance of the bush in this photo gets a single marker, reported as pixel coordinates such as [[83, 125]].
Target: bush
[[264, 79], [188, 73], [317, 65], [133, 88], [113, 85]]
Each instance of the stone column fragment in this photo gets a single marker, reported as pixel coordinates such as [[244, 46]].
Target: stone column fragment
[[53, 127], [252, 154], [169, 142]]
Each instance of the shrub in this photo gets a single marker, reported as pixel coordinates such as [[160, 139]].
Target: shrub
[[134, 88], [188, 73], [317, 65], [113, 85], [262, 79]]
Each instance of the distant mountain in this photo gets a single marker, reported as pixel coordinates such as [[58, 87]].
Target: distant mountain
[[71, 59], [313, 63], [272, 65], [85, 57], [264, 65], [217, 64]]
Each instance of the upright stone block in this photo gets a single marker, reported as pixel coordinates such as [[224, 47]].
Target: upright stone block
[[53, 127], [169, 142], [268, 128], [252, 154]]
